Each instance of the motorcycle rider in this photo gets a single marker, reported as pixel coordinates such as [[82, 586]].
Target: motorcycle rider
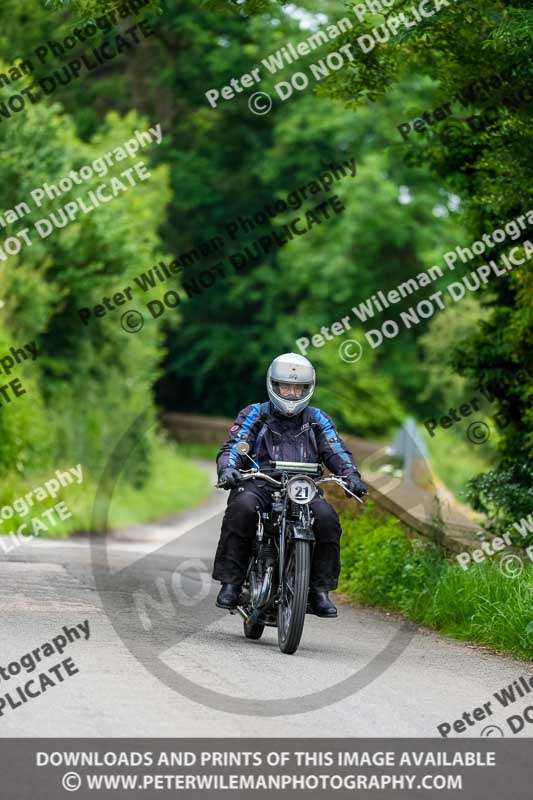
[[284, 429]]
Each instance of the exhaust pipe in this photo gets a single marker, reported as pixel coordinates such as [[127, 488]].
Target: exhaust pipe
[[243, 613]]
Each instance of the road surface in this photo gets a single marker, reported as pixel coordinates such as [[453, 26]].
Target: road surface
[[177, 666]]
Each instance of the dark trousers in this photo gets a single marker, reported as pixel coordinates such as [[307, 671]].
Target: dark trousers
[[239, 527]]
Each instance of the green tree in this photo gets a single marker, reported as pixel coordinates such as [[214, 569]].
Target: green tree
[[361, 398], [86, 380], [482, 54], [438, 344]]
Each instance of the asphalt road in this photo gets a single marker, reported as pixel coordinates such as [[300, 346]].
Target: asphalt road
[[161, 660]]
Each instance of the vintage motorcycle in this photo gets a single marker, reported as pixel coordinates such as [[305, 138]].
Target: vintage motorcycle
[[276, 586]]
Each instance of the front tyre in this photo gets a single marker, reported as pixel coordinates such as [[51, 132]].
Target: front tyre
[[253, 631], [293, 605]]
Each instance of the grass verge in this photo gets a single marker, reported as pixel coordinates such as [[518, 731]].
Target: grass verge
[[208, 452], [382, 566], [173, 484]]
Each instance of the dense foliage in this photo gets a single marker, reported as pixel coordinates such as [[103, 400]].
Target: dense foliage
[[478, 57], [481, 53]]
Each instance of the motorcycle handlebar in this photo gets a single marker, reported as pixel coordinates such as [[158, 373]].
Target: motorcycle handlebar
[[334, 478], [338, 480], [250, 475], [263, 476]]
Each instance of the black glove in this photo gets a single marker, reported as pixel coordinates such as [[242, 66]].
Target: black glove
[[355, 485], [230, 478]]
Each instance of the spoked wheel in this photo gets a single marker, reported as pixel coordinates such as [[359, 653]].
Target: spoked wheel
[[293, 605], [253, 630]]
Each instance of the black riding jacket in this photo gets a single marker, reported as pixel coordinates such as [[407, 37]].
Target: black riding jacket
[[309, 437]]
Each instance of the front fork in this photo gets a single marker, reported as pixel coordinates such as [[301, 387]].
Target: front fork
[[299, 531], [282, 535]]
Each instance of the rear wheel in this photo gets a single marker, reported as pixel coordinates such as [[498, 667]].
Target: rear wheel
[[293, 605]]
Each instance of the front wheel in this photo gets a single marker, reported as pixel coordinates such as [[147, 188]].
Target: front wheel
[[293, 604], [253, 631]]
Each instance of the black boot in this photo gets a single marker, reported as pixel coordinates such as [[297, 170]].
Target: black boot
[[320, 604], [228, 595]]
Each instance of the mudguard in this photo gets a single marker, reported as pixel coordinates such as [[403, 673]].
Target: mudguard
[[301, 532]]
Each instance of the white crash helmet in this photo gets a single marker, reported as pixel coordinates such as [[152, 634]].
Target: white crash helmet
[[290, 383]]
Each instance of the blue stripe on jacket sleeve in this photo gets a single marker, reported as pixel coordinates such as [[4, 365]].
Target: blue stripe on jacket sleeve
[[331, 434]]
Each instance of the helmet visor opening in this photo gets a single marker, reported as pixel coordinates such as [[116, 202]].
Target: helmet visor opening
[[291, 391]]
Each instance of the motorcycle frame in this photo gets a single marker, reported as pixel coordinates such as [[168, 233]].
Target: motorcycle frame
[[300, 529]]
